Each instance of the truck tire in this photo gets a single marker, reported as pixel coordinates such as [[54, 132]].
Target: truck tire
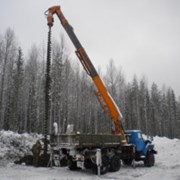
[[149, 160], [72, 164], [88, 164], [115, 163], [127, 162]]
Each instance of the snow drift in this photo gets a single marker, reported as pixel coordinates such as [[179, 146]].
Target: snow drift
[[14, 145]]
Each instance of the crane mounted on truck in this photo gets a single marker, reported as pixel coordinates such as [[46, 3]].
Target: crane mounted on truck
[[102, 92], [85, 148]]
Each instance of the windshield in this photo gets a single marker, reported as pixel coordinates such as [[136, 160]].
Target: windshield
[[140, 136]]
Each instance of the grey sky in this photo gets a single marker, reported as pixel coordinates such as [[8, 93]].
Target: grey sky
[[142, 36]]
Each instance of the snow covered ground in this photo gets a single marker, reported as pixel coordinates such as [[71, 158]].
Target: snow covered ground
[[13, 145]]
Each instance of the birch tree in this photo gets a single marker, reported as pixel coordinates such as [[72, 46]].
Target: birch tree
[[135, 103], [155, 109], [142, 105], [8, 53], [17, 104], [30, 90]]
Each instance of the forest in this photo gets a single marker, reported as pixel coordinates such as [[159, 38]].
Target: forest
[[154, 110]]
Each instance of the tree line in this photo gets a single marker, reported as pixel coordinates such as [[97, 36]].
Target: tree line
[[22, 94]]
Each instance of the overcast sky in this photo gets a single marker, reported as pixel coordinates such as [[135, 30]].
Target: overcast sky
[[142, 36]]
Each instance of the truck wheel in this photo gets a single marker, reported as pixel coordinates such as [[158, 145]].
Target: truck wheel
[[127, 162], [72, 164], [87, 164], [149, 160], [115, 163]]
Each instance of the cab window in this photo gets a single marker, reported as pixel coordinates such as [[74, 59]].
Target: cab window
[[139, 136]]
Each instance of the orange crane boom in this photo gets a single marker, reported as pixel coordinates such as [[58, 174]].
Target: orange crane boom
[[102, 93]]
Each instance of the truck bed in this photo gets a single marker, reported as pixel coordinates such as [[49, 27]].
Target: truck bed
[[86, 140]]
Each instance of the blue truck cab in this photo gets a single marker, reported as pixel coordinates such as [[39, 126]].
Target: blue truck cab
[[144, 149]]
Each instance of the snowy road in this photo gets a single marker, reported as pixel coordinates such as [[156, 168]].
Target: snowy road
[[160, 171], [167, 167]]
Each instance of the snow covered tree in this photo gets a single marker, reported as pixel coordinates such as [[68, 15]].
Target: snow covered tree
[[111, 79], [66, 89], [155, 110], [164, 115], [57, 85], [148, 113], [178, 119], [30, 90], [143, 105], [121, 88], [135, 104], [40, 90], [172, 113], [59, 74], [128, 107], [22, 101], [17, 104], [8, 54]]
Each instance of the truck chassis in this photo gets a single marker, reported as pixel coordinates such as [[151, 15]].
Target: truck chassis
[[91, 151]]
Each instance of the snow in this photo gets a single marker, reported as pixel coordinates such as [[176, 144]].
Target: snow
[[13, 145]]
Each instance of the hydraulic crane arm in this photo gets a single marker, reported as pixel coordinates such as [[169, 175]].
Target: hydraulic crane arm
[[102, 93]]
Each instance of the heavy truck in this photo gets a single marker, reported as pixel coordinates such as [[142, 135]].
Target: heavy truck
[[99, 152]]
